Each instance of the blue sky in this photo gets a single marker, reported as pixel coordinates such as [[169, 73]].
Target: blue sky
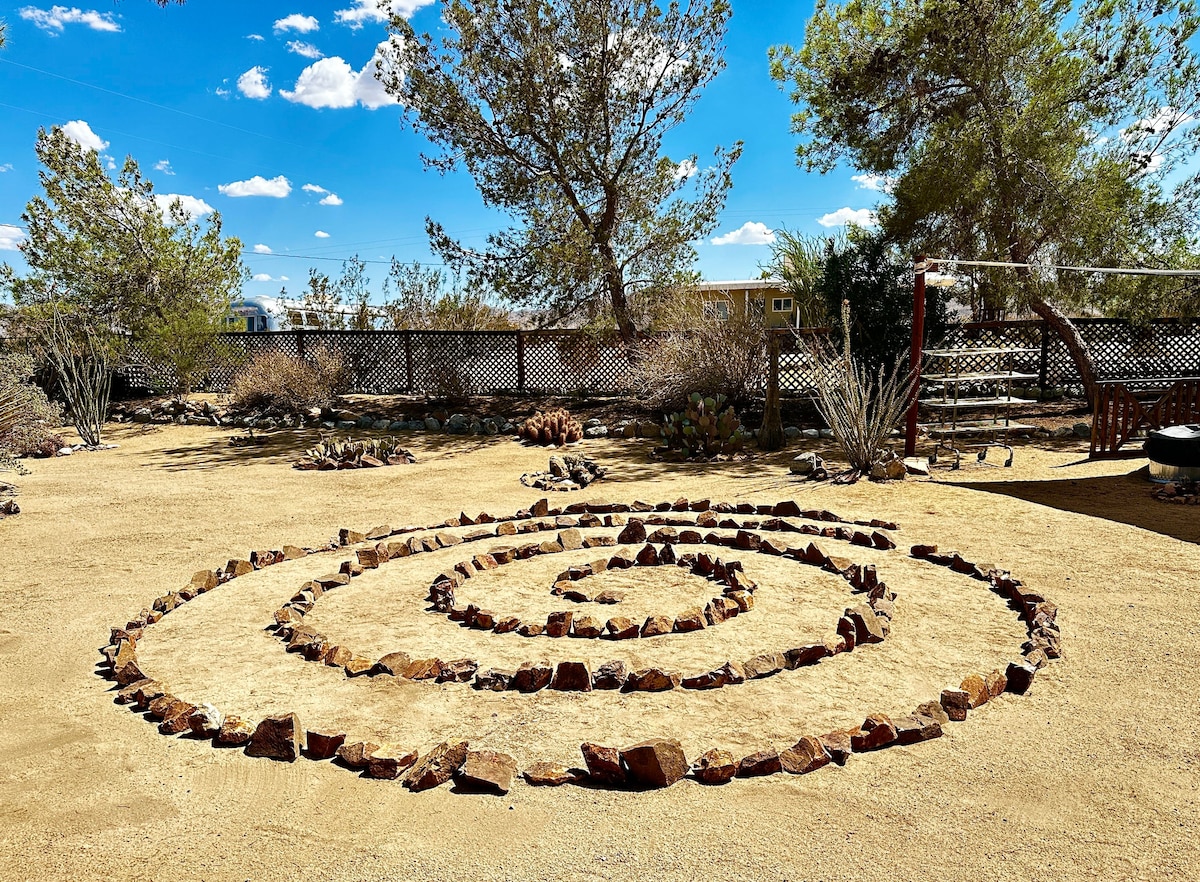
[[261, 111]]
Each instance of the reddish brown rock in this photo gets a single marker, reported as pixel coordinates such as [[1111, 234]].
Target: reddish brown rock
[[460, 670], [651, 680], [532, 676], [423, 669], [610, 675], [914, 728], [635, 531], [715, 766], [847, 631], [558, 624], [976, 689], [160, 707], [656, 625], [603, 764], [486, 771], [393, 663], [572, 676], [837, 745], [125, 665], [323, 744], [586, 627], [806, 755], [437, 766], [507, 625], [570, 540], [389, 761], [206, 721], [621, 628], [547, 775], [658, 762], [743, 599], [177, 720], [714, 611], [691, 619], [278, 737], [234, 731], [764, 665], [996, 683], [802, 656], [338, 656], [764, 762], [358, 666], [356, 754], [956, 703], [369, 558], [868, 627], [933, 710], [531, 629], [236, 568], [876, 731], [1019, 677]]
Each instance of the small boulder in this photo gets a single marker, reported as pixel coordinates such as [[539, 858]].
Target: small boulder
[[715, 766], [572, 676], [659, 762], [390, 761], [278, 737], [437, 766], [764, 762], [603, 764], [486, 771], [547, 775]]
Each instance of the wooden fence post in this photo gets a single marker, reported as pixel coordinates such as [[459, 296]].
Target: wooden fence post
[[408, 362], [1044, 362], [521, 361]]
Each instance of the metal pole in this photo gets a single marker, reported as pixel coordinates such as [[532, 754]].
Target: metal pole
[[914, 361]]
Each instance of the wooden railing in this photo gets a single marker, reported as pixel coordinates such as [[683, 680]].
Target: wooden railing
[[1122, 415]]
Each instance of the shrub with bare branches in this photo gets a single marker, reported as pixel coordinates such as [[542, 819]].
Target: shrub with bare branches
[[280, 382]]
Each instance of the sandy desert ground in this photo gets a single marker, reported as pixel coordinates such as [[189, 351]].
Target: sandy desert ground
[[1092, 775]]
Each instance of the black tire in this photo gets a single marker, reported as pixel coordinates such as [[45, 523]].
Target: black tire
[[1177, 446]]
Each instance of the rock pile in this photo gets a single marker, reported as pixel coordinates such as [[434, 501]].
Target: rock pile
[[565, 473], [1177, 492]]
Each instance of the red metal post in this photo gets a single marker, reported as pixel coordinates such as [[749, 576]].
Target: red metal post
[[914, 361]]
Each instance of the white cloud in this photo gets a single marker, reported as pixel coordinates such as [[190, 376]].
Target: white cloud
[[222, 93], [332, 82], [110, 161], [307, 50], [302, 24], [267, 277], [253, 83], [277, 187], [860, 217], [191, 206], [749, 233], [332, 199], [321, 234], [685, 170], [313, 188], [56, 18], [6, 167], [263, 249], [81, 133], [10, 237], [368, 10], [164, 166], [876, 183], [258, 37]]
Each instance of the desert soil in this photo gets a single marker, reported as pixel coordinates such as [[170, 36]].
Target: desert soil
[[1093, 775]]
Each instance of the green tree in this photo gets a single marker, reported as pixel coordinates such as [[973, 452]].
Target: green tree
[[343, 303], [112, 271], [423, 301], [1029, 131], [558, 108]]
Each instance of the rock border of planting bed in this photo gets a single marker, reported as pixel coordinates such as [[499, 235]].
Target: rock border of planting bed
[[653, 763]]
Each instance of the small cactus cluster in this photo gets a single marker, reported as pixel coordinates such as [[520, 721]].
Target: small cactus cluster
[[552, 427], [705, 428], [349, 454]]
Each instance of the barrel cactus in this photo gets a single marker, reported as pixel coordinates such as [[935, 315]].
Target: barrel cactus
[[551, 427]]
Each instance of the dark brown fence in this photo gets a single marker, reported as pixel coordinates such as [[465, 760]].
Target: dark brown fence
[[569, 362]]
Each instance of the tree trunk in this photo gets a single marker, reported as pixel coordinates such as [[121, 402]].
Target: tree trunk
[[770, 435], [1061, 324]]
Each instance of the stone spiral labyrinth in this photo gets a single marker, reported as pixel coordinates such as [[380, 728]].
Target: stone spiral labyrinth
[[597, 618]]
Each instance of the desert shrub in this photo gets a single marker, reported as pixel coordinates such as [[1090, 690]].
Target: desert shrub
[[701, 355], [28, 419], [861, 406], [707, 427], [552, 427], [281, 382]]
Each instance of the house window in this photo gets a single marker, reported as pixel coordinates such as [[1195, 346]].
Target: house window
[[781, 304], [717, 309]]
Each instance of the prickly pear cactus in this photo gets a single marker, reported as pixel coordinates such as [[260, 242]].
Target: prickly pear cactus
[[704, 429]]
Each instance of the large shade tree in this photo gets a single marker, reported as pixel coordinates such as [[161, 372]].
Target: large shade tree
[[1026, 131], [559, 109]]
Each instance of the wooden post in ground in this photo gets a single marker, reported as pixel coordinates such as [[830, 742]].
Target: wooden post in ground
[[914, 360], [770, 434]]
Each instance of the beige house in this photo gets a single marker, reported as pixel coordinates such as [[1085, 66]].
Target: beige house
[[762, 297]]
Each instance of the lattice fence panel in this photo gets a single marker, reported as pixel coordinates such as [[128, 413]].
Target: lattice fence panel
[[477, 362], [797, 366], [569, 362]]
